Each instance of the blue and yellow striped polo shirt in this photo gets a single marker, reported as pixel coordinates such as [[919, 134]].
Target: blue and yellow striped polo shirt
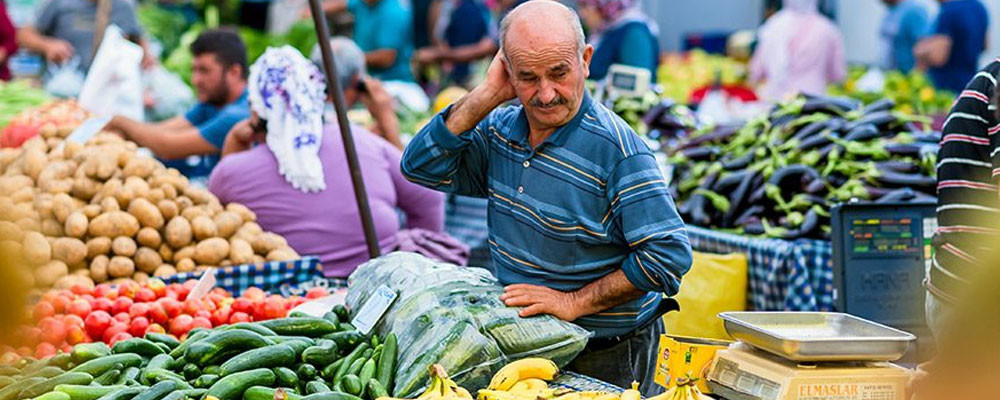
[[588, 201]]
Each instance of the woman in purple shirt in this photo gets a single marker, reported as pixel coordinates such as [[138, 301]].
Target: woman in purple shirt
[[299, 183]]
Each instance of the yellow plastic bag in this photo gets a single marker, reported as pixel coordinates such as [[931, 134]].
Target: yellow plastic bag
[[715, 283]]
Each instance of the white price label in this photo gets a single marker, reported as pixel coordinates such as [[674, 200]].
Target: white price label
[[205, 283], [373, 309]]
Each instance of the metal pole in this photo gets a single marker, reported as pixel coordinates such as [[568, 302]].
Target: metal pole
[[335, 91]]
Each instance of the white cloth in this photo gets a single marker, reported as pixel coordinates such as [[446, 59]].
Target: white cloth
[[288, 92]]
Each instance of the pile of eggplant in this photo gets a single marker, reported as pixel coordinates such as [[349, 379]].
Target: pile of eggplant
[[778, 175]]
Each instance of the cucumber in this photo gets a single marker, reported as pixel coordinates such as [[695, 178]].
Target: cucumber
[[375, 390], [367, 372], [352, 384], [286, 339], [264, 393], [378, 352], [306, 372], [219, 344], [157, 391], [368, 353], [11, 391], [331, 396], [192, 338], [354, 355], [138, 346], [110, 377], [231, 387], [130, 376], [61, 360], [297, 314], [70, 378], [250, 326], [346, 339], [87, 392], [206, 381], [330, 371], [342, 313], [211, 369], [322, 354], [124, 393], [279, 355], [45, 372], [194, 393], [285, 377], [301, 326], [101, 365], [53, 396], [356, 366], [84, 352], [161, 375], [316, 387], [331, 316], [175, 395], [298, 346], [191, 372], [166, 339], [375, 342], [7, 370], [163, 361], [385, 371]]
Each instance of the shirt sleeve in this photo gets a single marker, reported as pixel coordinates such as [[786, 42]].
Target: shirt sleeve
[[124, 16], [394, 32], [641, 207], [215, 129], [424, 207], [443, 161], [916, 23], [636, 49]]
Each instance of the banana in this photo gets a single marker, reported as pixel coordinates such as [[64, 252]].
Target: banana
[[510, 374], [486, 394], [668, 395], [530, 385], [462, 393], [633, 393]]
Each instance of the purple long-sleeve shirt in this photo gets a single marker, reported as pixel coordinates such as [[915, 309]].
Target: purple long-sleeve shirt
[[326, 224]]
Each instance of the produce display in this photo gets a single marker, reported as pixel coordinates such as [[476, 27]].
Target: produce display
[[63, 318], [654, 117], [680, 74], [16, 96], [779, 174], [54, 120], [453, 316], [912, 92], [289, 358], [86, 214]]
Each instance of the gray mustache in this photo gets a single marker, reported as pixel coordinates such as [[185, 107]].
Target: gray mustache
[[558, 101]]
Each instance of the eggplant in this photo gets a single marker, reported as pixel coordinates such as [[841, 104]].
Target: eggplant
[[695, 206], [792, 178], [897, 166], [816, 187], [753, 226], [757, 195], [927, 137], [862, 133], [809, 224], [881, 119], [720, 134], [783, 120], [904, 150], [828, 104], [731, 164], [816, 141], [883, 104], [738, 198], [748, 214], [707, 153], [810, 130], [916, 181], [730, 180], [898, 195]]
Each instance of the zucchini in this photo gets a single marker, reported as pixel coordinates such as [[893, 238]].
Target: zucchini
[[316, 386], [250, 326], [61, 360], [306, 372], [191, 372], [138, 346], [157, 391], [286, 339], [356, 366], [166, 339], [352, 384], [330, 371], [375, 342], [11, 391], [285, 377], [192, 338], [211, 369], [45, 372], [264, 393], [231, 387], [322, 354], [385, 371], [342, 313], [175, 395], [330, 396], [298, 345], [161, 375], [87, 392], [129, 376], [355, 355], [222, 343], [367, 372], [124, 393], [101, 365], [162, 361], [53, 396], [110, 377], [5, 381], [279, 355], [301, 326], [375, 390], [206, 381], [194, 393], [70, 378], [331, 316], [7, 370], [346, 339]]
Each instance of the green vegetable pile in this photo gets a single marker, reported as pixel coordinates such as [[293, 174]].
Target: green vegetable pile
[[301, 357], [163, 25], [913, 92], [778, 175], [16, 96]]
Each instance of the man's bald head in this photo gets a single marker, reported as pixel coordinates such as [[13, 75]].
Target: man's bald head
[[540, 23]]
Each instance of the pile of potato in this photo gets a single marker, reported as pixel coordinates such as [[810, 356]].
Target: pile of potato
[[102, 212]]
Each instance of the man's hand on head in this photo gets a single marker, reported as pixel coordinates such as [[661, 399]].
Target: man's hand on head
[[538, 300]]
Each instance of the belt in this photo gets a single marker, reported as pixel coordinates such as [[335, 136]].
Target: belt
[[604, 343]]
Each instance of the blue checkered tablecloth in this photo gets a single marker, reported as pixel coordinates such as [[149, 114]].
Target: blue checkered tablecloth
[[582, 383], [281, 277], [783, 275]]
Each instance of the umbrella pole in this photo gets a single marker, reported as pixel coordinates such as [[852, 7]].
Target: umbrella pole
[[336, 92]]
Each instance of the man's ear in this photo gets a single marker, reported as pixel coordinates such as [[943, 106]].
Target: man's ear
[[588, 53]]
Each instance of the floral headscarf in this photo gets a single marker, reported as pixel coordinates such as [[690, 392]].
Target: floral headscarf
[[288, 92]]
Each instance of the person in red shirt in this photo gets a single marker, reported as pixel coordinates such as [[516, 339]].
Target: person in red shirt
[[8, 41]]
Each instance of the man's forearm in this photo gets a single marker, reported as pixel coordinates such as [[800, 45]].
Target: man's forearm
[[381, 58], [470, 109], [472, 52], [30, 39], [334, 6], [610, 291]]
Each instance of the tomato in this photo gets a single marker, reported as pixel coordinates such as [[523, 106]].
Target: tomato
[[121, 304], [16, 133], [79, 307], [317, 292], [239, 316], [155, 328], [44, 350], [201, 322], [59, 303], [128, 289], [145, 295], [173, 307], [52, 330], [43, 309], [113, 330], [102, 304], [119, 337], [192, 306], [96, 323], [208, 305], [72, 320], [157, 314], [242, 305], [66, 348], [254, 294], [158, 287], [32, 335], [221, 316], [273, 308], [79, 289], [76, 334], [138, 310], [189, 284], [138, 326], [181, 324], [9, 357], [122, 317], [101, 290]]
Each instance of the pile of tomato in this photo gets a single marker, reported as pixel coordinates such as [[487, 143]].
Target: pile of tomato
[[110, 313]]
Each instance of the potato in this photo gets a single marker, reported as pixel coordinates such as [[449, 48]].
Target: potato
[[185, 265], [10, 231], [227, 223], [91, 211], [183, 202], [240, 252], [100, 245], [140, 277], [70, 149], [203, 228], [211, 251], [167, 177], [34, 162], [282, 254], [44, 207], [166, 253], [165, 270], [267, 242], [140, 166], [184, 252], [258, 259], [62, 206], [47, 274], [110, 204], [178, 232], [69, 250], [147, 214], [194, 212], [121, 267], [114, 224], [123, 246], [69, 281], [99, 268], [149, 237], [11, 184], [124, 196], [76, 224], [214, 208], [137, 186], [51, 227], [23, 195], [36, 249], [156, 195], [225, 263], [84, 188], [147, 260], [199, 195], [168, 208], [169, 192]]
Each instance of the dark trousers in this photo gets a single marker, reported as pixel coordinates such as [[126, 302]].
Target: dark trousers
[[623, 360]]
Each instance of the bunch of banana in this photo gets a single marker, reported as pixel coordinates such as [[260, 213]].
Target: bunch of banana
[[528, 379], [685, 390], [442, 387]]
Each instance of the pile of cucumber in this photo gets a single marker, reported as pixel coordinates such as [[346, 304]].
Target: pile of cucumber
[[307, 358]]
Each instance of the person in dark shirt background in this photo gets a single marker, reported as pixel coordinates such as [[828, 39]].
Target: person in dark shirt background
[[951, 53]]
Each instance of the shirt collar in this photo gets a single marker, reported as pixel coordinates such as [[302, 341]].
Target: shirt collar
[[557, 138]]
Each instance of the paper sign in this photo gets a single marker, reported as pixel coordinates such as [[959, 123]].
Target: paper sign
[[86, 130], [316, 308], [373, 309], [205, 283]]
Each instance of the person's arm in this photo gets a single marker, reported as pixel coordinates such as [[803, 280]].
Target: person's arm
[[166, 144], [239, 139], [485, 47], [424, 208], [55, 50], [658, 249], [450, 153], [379, 105], [381, 58], [933, 51]]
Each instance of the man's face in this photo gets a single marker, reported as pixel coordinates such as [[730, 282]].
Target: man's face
[[210, 79], [548, 78]]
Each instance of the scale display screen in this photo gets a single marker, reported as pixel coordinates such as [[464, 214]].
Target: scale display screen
[[884, 236]]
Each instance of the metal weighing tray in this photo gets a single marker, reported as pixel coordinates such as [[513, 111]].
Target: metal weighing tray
[[817, 336]]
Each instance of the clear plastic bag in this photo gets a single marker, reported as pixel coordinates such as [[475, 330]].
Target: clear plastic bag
[[453, 316], [170, 95]]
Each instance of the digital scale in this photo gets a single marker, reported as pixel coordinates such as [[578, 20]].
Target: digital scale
[[625, 80]]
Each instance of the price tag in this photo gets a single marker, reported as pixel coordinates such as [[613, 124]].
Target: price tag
[[373, 309], [316, 308], [88, 129], [205, 283]]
